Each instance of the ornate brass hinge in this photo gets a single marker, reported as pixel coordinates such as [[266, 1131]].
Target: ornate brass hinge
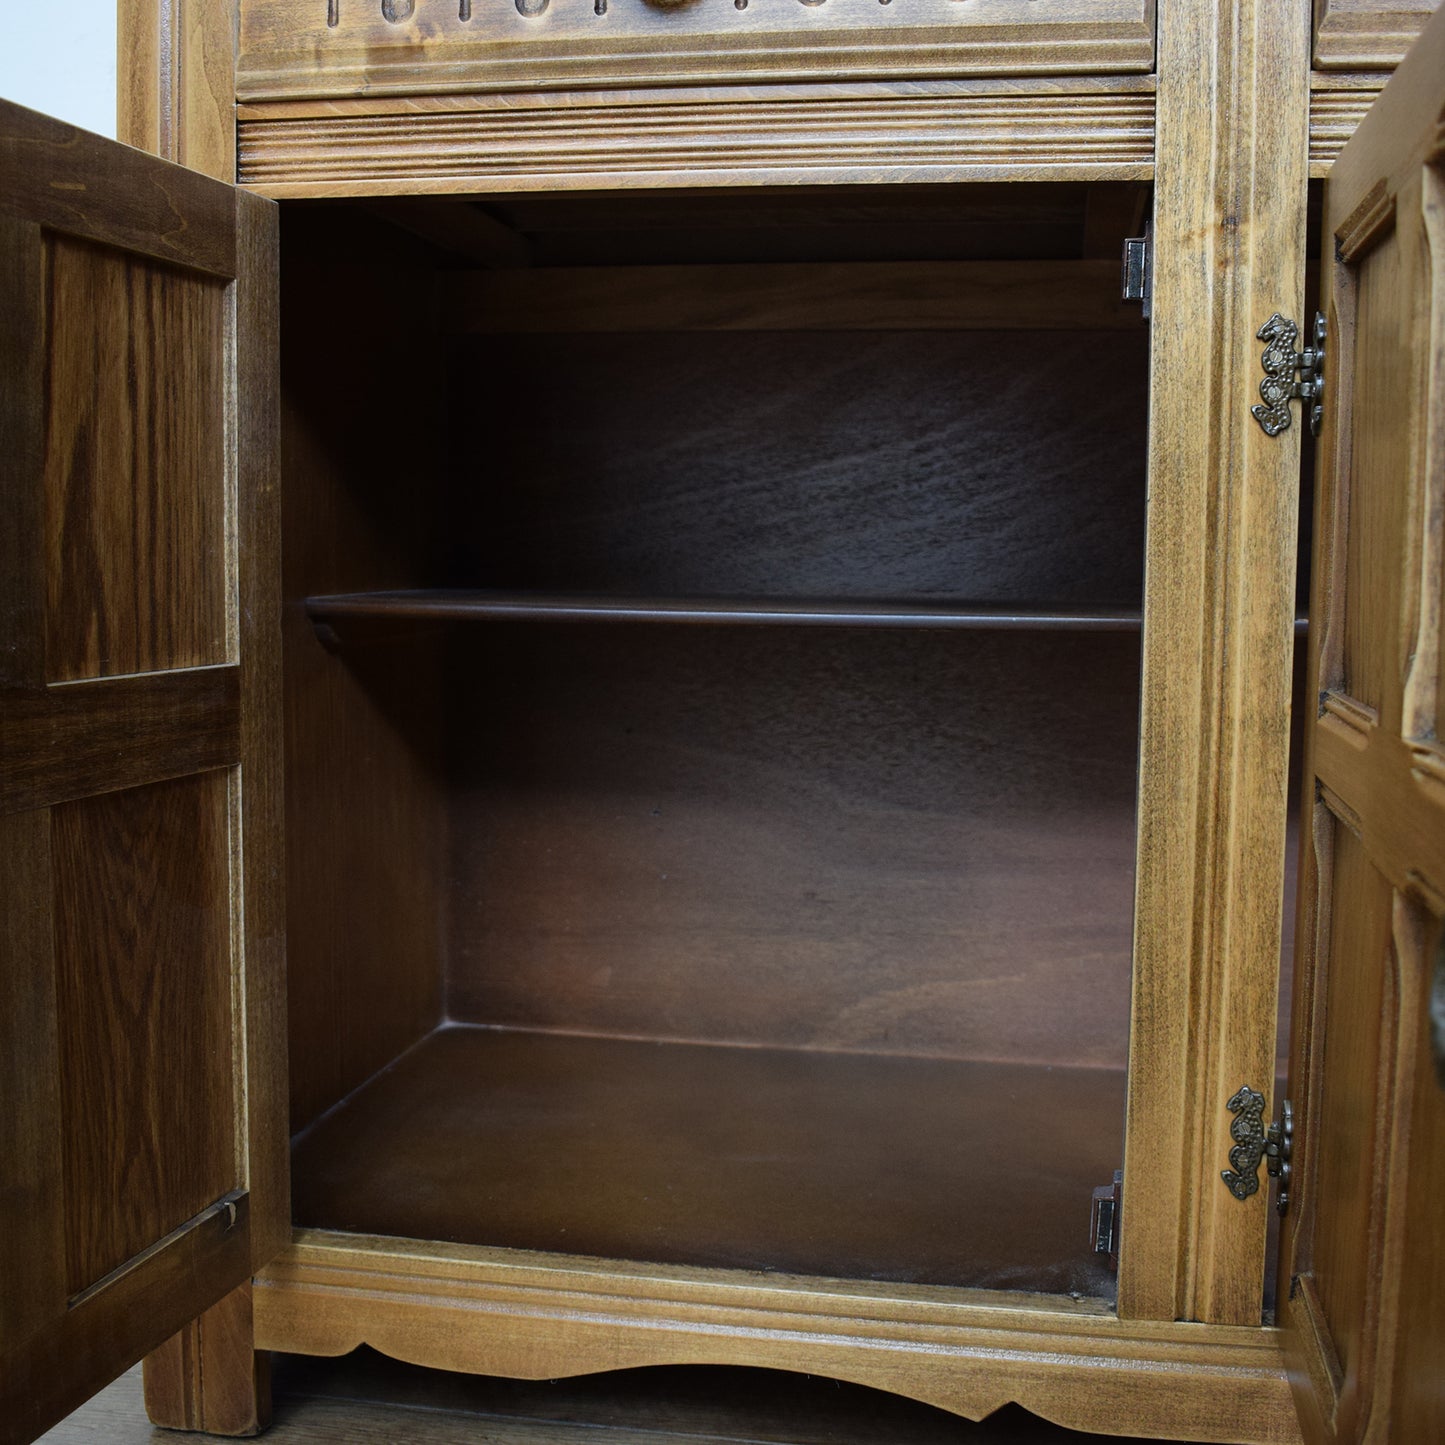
[[1253, 1142], [1280, 362]]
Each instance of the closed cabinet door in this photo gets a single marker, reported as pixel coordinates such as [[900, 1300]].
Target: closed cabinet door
[[142, 1135], [1363, 1283]]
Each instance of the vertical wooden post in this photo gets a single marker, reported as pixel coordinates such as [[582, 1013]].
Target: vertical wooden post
[[176, 83], [1231, 173]]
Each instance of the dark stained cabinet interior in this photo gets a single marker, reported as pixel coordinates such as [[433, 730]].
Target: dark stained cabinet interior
[[712, 734]]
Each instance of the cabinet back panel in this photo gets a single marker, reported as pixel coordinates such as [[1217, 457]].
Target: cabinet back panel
[[895, 842], [1003, 466]]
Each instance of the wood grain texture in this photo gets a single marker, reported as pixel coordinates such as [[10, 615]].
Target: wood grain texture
[[83, 738], [1229, 246], [350, 613], [70, 181], [209, 1376], [952, 131], [1337, 106], [22, 447], [367, 1399], [135, 463], [1366, 34], [851, 1166], [176, 96], [32, 1187], [540, 1316], [825, 464], [143, 993], [85, 1347], [257, 789], [845, 854], [289, 50], [877, 296], [365, 828], [1371, 882]]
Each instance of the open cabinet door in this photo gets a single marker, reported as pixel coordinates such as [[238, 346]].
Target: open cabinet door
[[142, 1124], [1364, 1251]]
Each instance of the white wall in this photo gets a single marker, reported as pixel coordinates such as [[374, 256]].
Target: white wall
[[59, 56]]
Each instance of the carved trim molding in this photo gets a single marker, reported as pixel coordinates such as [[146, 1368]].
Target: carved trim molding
[[512, 1312], [588, 140], [293, 49]]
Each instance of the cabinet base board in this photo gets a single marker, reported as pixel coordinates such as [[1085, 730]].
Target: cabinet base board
[[539, 1316]]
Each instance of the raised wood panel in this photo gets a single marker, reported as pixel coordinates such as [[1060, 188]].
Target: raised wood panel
[[1359, 987], [1366, 34], [1373, 874], [143, 990], [334, 48], [1377, 547], [1417, 1409], [135, 465], [586, 140], [136, 634]]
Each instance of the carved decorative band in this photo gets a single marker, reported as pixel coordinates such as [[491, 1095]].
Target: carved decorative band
[[508, 147]]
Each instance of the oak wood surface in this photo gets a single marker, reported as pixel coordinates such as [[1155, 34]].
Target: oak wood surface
[[177, 81], [847, 853], [897, 133], [1229, 233], [327, 50], [367, 1398], [130, 515], [1372, 873], [535, 1316], [143, 985], [200, 1380], [70, 181], [864, 296], [134, 444], [850, 1165], [807, 464], [365, 826], [1366, 34], [340, 613]]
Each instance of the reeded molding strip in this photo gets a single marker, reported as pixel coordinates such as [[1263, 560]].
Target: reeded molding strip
[[1334, 114], [493, 144]]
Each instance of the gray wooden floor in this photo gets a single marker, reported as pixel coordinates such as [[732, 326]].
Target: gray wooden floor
[[365, 1398]]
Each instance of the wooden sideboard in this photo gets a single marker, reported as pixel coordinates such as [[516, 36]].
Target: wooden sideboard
[[784, 682]]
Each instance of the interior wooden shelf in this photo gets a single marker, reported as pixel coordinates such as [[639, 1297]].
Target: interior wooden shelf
[[852, 1165], [341, 609], [488, 606]]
